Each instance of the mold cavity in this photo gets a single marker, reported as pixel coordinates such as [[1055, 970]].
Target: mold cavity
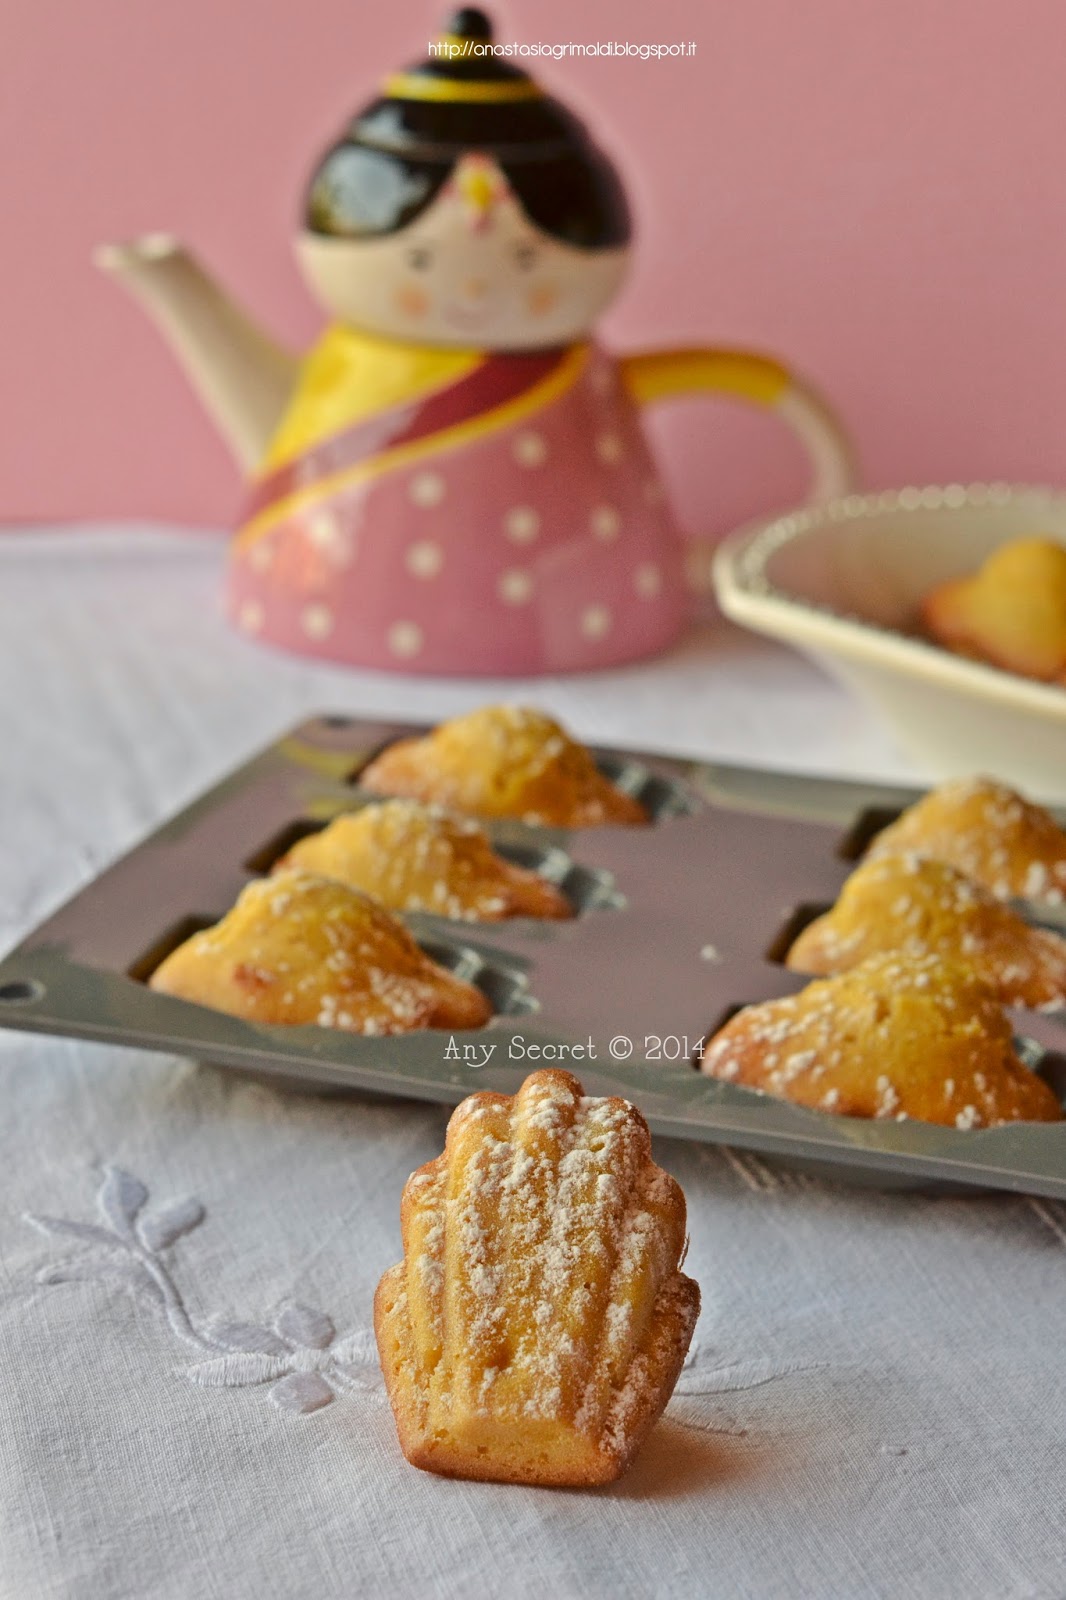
[[141, 969], [1033, 1054], [1051, 1066], [367, 756], [587, 888], [798, 918], [505, 988], [21, 992], [279, 844], [661, 797], [864, 830], [1041, 915], [1047, 1064], [727, 1016]]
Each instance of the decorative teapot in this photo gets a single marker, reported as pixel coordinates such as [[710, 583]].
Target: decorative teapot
[[455, 478]]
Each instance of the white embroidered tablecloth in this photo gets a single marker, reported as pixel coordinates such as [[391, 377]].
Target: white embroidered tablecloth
[[191, 1407]]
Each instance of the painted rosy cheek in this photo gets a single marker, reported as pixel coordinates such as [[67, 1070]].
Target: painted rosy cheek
[[411, 300], [542, 298]]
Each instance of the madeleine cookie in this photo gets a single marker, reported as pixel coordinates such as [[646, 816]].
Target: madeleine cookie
[[413, 857], [990, 833], [1011, 613], [297, 948], [892, 1038], [920, 907], [504, 761], [536, 1326]]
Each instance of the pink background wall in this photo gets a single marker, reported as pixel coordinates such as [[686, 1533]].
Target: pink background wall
[[874, 191]]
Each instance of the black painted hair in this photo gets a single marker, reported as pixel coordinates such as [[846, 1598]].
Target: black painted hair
[[397, 153]]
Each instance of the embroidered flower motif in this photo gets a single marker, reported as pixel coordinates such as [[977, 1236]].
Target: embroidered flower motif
[[298, 1354], [299, 1357], [703, 1379]]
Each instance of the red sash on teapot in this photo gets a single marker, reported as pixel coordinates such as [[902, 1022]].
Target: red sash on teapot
[[499, 391]]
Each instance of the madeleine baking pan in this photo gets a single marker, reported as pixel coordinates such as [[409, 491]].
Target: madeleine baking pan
[[677, 926]]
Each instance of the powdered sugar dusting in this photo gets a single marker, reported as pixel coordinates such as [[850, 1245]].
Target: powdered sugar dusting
[[301, 948], [538, 1246], [990, 833], [504, 760], [899, 1034], [918, 906], [415, 857]]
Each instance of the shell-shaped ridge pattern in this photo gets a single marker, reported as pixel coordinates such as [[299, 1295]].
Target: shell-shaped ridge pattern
[[536, 1326]]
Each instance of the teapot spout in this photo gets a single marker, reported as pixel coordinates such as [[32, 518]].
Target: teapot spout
[[244, 379]]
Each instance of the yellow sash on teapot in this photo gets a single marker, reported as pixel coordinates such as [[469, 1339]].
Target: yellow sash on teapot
[[367, 406]]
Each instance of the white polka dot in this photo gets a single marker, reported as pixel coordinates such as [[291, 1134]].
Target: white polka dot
[[261, 555], [530, 450], [322, 530], [515, 587], [648, 580], [405, 639], [522, 524], [595, 622], [424, 559], [250, 616], [609, 448], [316, 621], [329, 538], [605, 523], [427, 489]]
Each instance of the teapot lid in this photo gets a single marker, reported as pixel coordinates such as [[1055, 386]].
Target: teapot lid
[[465, 97]]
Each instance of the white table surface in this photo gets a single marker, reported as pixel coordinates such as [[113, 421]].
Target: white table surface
[[875, 1403]]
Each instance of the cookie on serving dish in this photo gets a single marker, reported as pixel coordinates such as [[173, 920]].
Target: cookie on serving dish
[[1011, 613]]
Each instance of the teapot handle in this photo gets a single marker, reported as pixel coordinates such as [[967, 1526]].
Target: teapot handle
[[662, 374]]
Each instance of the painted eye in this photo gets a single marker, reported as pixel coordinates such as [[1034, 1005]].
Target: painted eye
[[525, 255], [420, 258]]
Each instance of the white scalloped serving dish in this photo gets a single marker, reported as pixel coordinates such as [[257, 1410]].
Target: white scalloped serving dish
[[842, 581]]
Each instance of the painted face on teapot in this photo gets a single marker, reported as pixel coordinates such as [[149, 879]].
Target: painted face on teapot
[[471, 270]]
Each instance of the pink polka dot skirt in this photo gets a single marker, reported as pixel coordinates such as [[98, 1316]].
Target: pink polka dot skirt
[[542, 546]]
